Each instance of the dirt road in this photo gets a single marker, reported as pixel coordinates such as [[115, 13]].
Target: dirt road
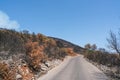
[[76, 68]]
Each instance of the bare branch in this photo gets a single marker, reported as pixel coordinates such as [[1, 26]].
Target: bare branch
[[113, 42]]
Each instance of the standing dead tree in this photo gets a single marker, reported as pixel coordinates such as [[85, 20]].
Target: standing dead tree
[[113, 42]]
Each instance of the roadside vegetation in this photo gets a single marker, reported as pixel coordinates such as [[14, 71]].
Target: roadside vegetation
[[25, 55], [21, 51], [102, 57], [108, 62]]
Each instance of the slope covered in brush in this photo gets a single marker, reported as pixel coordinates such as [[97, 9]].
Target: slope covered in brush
[[66, 44], [29, 51]]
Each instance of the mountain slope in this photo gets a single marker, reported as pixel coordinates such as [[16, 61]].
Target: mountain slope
[[21, 51], [67, 44]]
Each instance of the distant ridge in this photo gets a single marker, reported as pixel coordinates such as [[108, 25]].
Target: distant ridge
[[67, 44]]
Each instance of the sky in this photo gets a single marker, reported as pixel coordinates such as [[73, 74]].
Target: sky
[[77, 21]]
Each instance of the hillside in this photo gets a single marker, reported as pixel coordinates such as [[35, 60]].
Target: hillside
[[67, 44], [21, 51], [27, 56]]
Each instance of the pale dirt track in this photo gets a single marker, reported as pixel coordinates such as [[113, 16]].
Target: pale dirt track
[[76, 68]]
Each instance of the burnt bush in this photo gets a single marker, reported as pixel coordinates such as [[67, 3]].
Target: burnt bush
[[103, 58]]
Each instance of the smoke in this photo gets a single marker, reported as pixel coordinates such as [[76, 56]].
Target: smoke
[[6, 22]]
